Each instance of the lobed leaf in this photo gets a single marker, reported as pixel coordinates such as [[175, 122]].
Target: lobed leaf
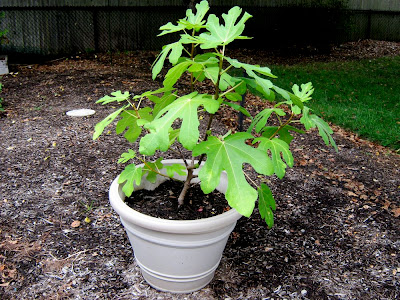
[[306, 91], [238, 108], [219, 35], [306, 120], [266, 204], [99, 128], [171, 28], [195, 21], [126, 156], [161, 103], [130, 122], [324, 131], [259, 83], [130, 175], [289, 97], [277, 147], [230, 154], [283, 132], [225, 81], [115, 96], [175, 168], [311, 121], [152, 168], [175, 50], [184, 108], [192, 21], [175, 73], [234, 97], [251, 70], [150, 94], [261, 119]]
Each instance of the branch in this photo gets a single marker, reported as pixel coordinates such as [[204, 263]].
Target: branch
[[182, 156], [186, 187], [231, 89], [282, 125], [216, 96], [156, 171], [192, 57]]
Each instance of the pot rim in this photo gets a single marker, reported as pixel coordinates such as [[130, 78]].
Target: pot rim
[[127, 213]]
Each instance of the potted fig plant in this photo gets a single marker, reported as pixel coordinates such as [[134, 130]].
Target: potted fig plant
[[182, 255]]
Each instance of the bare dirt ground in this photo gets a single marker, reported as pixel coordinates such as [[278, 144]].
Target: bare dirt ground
[[336, 233]]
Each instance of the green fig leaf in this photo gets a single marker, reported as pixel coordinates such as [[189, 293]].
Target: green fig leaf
[[184, 108], [266, 204], [99, 128], [289, 97], [170, 28], [173, 135], [261, 119], [175, 168], [238, 108], [324, 131], [219, 35], [126, 156], [230, 154], [130, 175], [152, 168], [195, 21], [175, 73], [115, 96], [130, 122], [163, 102], [311, 121], [251, 70], [176, 52], [305, 93], [277, 147]]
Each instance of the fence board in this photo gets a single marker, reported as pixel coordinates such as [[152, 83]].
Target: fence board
[[71, 28], [380, 5], [386, 5]]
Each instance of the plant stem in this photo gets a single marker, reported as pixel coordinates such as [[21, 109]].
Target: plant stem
[[282, 125], [231, 89], [226, 70], [155, 171], [186, 186], [221, 60], [182, 156], [251, 180], [192, 58], [190, 168], [216, 96]]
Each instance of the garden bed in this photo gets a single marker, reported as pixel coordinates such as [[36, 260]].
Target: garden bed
[[336, 229]]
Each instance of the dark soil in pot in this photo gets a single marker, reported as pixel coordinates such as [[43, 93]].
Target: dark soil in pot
[[163, 202]]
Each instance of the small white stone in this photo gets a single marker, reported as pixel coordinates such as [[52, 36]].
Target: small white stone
[[83, 112], [303, 292]]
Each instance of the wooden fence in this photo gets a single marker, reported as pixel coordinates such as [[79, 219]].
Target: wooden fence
[[54, 27]]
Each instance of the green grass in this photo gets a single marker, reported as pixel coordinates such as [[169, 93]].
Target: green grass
[[363, 96]]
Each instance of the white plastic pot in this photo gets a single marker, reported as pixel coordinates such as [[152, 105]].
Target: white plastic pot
[[175, 256]]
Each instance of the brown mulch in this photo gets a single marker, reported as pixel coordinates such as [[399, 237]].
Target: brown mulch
[[362, 49], [336, 233]]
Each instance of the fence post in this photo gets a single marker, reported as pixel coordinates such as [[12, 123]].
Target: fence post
[[96, 30], [369, 24], [242, 104]]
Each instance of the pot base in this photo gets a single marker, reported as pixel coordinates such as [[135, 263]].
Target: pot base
[[178, 285]]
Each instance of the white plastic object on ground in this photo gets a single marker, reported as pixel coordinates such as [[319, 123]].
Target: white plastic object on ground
[[83, 112]]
